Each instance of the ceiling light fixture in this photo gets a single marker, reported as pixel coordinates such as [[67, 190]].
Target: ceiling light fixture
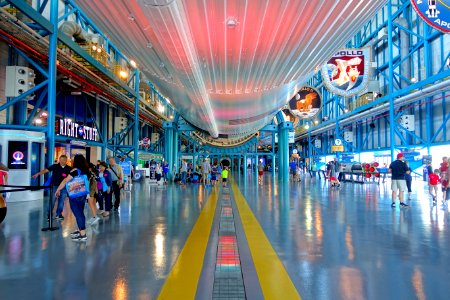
[[232, 22]]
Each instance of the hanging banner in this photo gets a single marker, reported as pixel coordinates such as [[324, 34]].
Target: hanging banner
[[435, 13], [306, 104], [347, 72]]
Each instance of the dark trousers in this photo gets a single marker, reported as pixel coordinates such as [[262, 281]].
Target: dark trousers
[[104, 200], [116, 191], [408, 185], [77, 207]]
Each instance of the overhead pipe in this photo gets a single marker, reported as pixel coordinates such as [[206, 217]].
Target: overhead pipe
[[425, 92]]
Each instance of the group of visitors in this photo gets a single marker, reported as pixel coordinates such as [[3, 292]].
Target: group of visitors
[[207, 174], [103, 181], [402, 180], [439, 176]]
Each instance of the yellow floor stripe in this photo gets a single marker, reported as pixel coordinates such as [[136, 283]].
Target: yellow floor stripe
[[273, 278], [183, 278]]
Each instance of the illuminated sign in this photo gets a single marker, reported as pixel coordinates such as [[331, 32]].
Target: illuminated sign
[[347, 72], [17, 155], [435, 13], [337, 148], [68, 128], [306, 104]]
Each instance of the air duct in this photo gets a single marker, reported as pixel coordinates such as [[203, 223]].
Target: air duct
[[74, 30]]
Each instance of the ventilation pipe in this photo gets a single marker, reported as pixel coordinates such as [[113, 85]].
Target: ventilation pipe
[[74, 30]]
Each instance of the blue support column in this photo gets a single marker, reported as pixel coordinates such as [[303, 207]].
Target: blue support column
[[283, 150], [168, 146], [53, 44], [104, 125], [245, 168], [136, 118], [175, 150], [391, 81]]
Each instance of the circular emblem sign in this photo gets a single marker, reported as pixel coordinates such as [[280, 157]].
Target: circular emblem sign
[[306, 103], [435, 12], [18, 155]]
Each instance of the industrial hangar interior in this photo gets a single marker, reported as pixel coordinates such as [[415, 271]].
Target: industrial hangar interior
[[224, 149]]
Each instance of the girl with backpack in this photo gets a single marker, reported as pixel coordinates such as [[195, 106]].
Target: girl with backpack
[[78, 192]]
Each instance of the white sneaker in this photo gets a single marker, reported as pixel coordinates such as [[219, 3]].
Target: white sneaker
[[99, 212], [93, 220]]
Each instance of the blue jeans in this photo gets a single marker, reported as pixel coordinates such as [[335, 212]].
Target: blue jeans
[[77, 207], [183, 177], [62, 197]]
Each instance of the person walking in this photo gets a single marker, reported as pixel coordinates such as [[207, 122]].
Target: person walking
[[60, 171], [408, 179], [183, 171], [93, 191], [117, 180], [313, 169], [166, 172], [433, 182], [158, 173], [260, 173], [337, 169], [206, 170], [224, 176], [80, 167], [398, 169], [445, 178], [105, 194], [3, 178]]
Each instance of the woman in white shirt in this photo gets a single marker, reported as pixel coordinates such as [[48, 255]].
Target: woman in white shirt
[[158, 171]]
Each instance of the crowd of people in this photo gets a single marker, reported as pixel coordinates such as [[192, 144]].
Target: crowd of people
[[103, 181], [206, 173]]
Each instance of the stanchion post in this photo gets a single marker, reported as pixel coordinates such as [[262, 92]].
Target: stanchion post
[[50, 210]]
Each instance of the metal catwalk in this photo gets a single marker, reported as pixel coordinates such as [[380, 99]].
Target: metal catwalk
[[317, 242]]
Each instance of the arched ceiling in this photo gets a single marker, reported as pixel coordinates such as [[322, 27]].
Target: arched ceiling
[[229, 65]]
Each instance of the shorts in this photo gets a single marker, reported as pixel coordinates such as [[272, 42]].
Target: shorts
[[158, 177], [398, 184], [433, 189], [213, 177], [261, 173], [224, 180]]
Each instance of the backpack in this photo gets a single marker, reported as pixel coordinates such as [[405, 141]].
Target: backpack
[[78, 186]]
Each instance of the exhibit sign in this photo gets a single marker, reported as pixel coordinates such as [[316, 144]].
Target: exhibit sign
[[435, 13], [347, 72], [306, 104], [66, 127], [17, 155]]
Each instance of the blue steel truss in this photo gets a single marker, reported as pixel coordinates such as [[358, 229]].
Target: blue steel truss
[[403, 73], [140, 124]]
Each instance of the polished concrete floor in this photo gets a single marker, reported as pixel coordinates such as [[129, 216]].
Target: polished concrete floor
[[345, 243]]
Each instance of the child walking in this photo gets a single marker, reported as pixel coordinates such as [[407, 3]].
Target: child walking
[[433, 184], [224, 176]]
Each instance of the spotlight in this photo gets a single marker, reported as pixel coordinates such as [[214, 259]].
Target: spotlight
[[297, 97], [94, 47], [316, 122], [345, 110], [38, 121], [44, 114], [123, 74], [306, 126], [133, 63]]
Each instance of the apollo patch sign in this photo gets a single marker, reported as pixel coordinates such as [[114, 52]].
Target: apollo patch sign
[[347, 72], [435, 13], [306, 104]]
